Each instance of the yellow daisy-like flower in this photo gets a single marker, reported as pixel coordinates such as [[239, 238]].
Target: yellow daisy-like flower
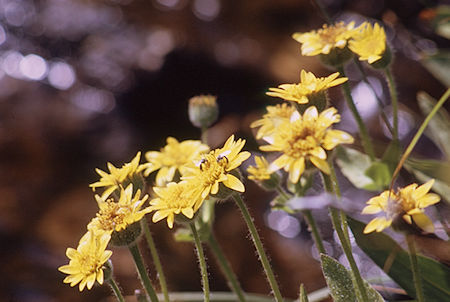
[[305, 138], [325, 39], [368, 42], [117, 216], [183, 197], [173, 157], [274, 116], [118, 176], [215, 167], [86, 262], [309, 86], [407, 203], [261, 170]]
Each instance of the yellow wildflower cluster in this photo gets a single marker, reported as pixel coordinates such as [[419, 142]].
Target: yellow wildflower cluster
[[201, 176], [367, 41], [116, 212]]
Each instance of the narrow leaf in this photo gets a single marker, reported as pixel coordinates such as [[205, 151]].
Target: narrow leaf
[[439, 66], [439, 127]]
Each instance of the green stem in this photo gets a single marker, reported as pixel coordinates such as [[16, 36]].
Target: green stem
[[416, 137], [314, 231], [259, 247], [415, 268], [226, 268], [379, 101], [202, 262], [394, 100], [204, 135], [142, 272], [323, 11], [365, 139], [115, 288], [156, 259], [361, 292]]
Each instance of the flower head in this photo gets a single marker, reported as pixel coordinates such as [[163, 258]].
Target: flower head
[[305, 138], [173, 157], [216, 167], [183, 197], [118, 176], [309, 86], [325, 39], [368, 42], [86, 262], [261, 170], [118, 215], [407, 204], [274, 116]]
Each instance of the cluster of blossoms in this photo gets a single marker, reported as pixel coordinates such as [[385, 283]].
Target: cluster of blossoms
[[335, 43], [187, 174]]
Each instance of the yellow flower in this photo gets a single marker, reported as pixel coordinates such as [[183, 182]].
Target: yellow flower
[[215, 167], [118, 176], [174, 156], [325, 39], [407, 203], [86, 262], [117, 216], [369, 43], [183, 197], [309, 86], [261, 171], [274, 116], [305, 138]]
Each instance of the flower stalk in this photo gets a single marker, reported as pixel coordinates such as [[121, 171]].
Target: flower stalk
[[201, 261], [115, 288], [156, 259], [365, 139], [142, 272], [259, 247], [314, 231], [394, 100], [415, 268], [361, 292], [225, 267]]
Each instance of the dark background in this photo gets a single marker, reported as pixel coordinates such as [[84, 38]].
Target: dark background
[[109, 78]]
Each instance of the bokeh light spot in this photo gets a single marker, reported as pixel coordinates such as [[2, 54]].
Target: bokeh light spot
[[61, 75]]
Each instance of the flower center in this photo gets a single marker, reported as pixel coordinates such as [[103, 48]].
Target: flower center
[[112, 215], [213, 168], [302, 140]]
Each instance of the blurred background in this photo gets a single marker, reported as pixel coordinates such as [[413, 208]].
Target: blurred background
[[84, 82]]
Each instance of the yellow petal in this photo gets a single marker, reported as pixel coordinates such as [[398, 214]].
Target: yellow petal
[[279, 163], [297, 170], [321, 164], [188, 212], [234, 183], [423, 222], [428, 200], [371, 209], [423, 189]]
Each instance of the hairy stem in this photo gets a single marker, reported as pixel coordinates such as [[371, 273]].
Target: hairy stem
[[259, 247], [201, 261]]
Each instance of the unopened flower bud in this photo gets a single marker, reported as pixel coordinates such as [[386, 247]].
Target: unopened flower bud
[[203, 110], [127, 236]]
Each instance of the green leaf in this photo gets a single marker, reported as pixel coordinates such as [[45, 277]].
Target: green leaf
[[439, 127], [392, 155], [441, 22], [380, 174], [303, 297], [339, 281], [382, 248], [361, 171], [439, 66]]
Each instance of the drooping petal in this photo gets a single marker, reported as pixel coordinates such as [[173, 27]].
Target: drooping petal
[[423, 222]]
